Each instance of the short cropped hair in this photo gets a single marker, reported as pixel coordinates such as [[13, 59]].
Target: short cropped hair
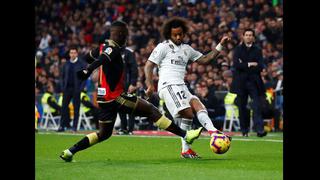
[[174, 22], [73, 47], [119, 23], [249, 29]]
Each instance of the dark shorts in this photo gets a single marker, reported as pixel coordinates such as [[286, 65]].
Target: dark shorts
[[125, 103]]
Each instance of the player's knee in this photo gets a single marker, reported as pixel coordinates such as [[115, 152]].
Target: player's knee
[[186, 113], [103, 136], [196, 104], [202, 111]]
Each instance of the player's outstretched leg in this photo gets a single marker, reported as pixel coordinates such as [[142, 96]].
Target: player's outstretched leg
[[105, 131], [144, 108], [203, 117]]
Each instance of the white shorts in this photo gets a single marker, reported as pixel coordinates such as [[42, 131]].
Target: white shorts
[[176, 98]]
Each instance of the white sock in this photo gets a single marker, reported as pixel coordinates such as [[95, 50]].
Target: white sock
[[185, 125], [205, 120]]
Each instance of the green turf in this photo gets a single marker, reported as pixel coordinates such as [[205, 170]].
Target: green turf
[[132, 157]]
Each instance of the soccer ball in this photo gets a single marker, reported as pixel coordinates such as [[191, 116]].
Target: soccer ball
[[220, 143]]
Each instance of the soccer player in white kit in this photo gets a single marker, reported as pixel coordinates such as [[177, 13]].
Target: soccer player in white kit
[[171, 56]]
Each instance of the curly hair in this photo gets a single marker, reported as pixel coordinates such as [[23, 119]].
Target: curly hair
[[173, 22]]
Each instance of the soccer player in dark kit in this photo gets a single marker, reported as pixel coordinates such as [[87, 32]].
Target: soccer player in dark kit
[[112, 98]]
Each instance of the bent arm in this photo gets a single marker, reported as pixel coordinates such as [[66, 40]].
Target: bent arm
[[205, 59], [92, 56], [95, 64], [238, 62]]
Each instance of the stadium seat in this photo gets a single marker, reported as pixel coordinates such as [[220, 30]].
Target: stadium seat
[[84, 120], [231, 120], [50, 121]]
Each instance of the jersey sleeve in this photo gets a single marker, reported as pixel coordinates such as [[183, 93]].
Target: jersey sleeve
[[92, 56], [194, 55], [106, 56], [110, 53], [157, 54]]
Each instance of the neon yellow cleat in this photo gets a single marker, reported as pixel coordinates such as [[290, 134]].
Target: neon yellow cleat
[[66, 155], [192, 135]]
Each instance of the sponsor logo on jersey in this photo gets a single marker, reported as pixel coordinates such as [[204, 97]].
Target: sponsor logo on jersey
[[101, 91], [178, 62]]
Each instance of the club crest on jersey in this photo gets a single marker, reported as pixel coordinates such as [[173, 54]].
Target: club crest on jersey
[[108, 50], [154, 53]]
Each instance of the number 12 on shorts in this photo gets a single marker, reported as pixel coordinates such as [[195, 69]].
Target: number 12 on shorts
[[182, 95]]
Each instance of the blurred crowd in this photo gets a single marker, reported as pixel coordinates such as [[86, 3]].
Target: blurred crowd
[[85, 23]]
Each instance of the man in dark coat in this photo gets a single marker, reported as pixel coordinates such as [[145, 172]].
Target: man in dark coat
[[71, 87], [247, 81]]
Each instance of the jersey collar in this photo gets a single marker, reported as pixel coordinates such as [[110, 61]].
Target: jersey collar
[[74, 61], [174, 45], [112, 42]]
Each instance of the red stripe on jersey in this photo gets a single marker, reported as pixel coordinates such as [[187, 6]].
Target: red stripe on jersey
[[110, 95]]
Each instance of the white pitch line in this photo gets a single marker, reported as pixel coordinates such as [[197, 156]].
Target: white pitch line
[[167, 137]]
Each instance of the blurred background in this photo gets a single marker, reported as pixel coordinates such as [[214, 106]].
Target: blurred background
[[62, 24]]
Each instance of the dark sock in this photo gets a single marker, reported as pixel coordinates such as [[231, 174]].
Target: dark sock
[[176, 130], [81, 145]]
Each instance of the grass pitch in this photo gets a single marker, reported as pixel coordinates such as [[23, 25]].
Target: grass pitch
[[136, 157]]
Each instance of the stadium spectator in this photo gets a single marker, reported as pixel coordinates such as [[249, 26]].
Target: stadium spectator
[[278, 86], [49, 99], [89, 108], [66, 21], [45, 41], [131, 71]]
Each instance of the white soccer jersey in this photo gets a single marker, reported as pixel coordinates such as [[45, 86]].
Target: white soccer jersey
[[172, 61]]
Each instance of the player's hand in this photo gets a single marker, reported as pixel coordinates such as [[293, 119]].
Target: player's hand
[[252, 64], [83, 74], [225, 40], [131, 88], [149, 91]]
